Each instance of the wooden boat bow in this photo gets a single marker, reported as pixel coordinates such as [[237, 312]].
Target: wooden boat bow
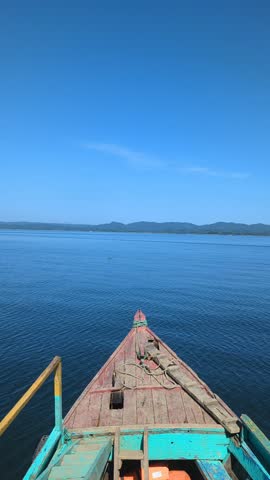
[[156, 387], [147, 409]]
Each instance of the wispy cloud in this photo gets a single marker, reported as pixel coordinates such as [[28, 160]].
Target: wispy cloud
[[143, 160], [132, 157], [213, 173]]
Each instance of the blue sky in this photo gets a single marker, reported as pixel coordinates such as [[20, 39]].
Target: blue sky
[[135, 110]]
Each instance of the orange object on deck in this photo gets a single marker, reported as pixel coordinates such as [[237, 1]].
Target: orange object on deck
[[178, 475], [129, 477], [157, 473], [133, 475]]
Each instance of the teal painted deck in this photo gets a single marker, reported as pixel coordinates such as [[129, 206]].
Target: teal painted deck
[[85, 454], [168, 443]]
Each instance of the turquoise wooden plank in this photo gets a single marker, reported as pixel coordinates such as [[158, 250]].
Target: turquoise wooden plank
[[44, 455], [57, 457], [187, 446], [71, 472], [97, 467], [249, 461], [86, 464], [170, 443], [80, 458], [256, 439], [213, 470], [179, 445], [103, 431]]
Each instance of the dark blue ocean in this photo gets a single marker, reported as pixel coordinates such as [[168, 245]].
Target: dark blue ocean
[[75, 294]]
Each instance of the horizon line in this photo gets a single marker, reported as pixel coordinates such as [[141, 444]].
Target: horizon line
[[131, 223]]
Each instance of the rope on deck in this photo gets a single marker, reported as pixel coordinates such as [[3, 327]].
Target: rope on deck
[[152, 372]]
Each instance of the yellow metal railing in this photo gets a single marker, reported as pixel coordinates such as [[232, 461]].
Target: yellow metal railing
[[56, 367]]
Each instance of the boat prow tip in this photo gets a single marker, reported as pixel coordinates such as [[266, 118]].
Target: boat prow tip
[[139, 319]]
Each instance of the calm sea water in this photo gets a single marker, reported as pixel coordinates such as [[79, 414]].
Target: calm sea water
[[75, 294]]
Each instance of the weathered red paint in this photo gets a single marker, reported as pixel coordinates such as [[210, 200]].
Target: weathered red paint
[[139, 316]]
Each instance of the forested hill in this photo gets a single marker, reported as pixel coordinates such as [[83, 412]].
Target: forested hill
[[222, 228]]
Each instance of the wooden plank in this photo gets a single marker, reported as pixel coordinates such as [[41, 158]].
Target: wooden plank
[[145, 462], [139, 342], [142, 378], [160, 407], [94, 408], [172, 446], [75, 414], [130, 360], [145, 408], [198, 391], [116, 461], [119, 366], [153, 427], [198, 412], [249, 461], [208, 419], [155, 380], [106, 379], [256, 439], [187, 401], [98, 467], [81, 413], [175, 405], [212, 470], [116, 416], [109, 416], [105, 412], [131, 454], [70, 421], [120, 375], [131, 372], [171, 441], [130, 410], [140, 387], [145, 378], [87, 413]]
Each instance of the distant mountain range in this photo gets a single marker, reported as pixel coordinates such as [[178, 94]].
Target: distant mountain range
[[220, 228]]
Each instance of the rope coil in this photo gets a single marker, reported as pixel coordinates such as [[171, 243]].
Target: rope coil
[[152, 372]]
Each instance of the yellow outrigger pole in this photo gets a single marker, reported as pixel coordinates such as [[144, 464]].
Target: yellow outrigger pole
[[54, 366], [57, 432]]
